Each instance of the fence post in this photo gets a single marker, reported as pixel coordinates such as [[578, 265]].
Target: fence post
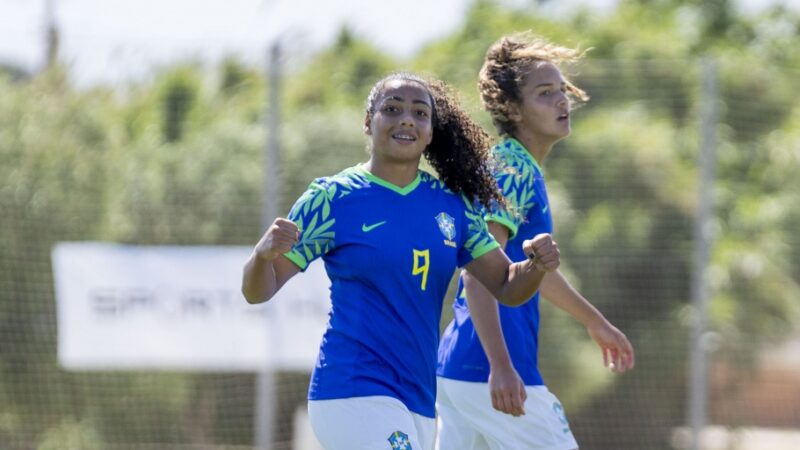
[[701, 338], [265, 382]]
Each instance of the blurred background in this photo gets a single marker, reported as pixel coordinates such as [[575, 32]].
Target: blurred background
[[676, 199]]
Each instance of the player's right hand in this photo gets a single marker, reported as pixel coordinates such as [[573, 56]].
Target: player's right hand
[[507, 390], [279, 239]]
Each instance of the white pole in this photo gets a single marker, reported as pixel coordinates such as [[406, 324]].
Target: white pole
[[701, 337], [265, 384]]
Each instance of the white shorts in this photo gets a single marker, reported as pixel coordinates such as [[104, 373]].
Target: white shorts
[[467, 420], [369, 423]]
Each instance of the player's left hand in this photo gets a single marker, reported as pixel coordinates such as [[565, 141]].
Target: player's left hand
[[618, 354], [543, 251]]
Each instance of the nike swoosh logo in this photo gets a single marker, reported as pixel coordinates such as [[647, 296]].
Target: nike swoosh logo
[[544, 210], [367, 228]]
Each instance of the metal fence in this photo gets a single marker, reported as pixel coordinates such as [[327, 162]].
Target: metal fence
[[675, 208]]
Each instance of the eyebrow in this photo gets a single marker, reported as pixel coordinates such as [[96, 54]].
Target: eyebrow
[[400, 99], [563, 83]]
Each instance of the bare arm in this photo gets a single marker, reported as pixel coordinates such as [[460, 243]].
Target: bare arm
[[618, 352], [505, 385], [267, 270], [515, 283]]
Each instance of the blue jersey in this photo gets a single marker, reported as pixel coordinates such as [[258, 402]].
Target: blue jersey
[[461, 356], [390, 253]]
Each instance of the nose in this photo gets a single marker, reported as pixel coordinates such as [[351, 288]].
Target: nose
[[407, 119], [563, 99]]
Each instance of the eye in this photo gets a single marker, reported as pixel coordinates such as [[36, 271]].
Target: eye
[[390, 109], [422, 113], [545, 93]]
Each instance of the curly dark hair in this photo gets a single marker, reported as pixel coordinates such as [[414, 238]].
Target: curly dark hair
[[505, 67], [459, 148]]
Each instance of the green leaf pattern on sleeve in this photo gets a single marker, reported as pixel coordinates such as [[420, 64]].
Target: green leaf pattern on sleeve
[[517, 184], [479, 241], [312, 214]]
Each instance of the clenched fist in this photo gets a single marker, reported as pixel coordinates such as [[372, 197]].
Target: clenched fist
[[279, 239], [543, 252]]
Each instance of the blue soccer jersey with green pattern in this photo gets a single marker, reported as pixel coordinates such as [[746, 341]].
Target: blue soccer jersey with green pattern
[[390, 253], [461, 356]]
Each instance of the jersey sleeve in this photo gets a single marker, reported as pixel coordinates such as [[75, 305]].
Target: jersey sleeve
[[313, 215], [518, 188], [478, 240]]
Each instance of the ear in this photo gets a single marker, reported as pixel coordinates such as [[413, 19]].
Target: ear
[[367, 123]]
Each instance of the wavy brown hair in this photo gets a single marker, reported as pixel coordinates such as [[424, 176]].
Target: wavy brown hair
[[505, 67], [459, 148]]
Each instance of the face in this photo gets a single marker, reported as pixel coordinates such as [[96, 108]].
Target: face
[[544, 111], [400, 128]]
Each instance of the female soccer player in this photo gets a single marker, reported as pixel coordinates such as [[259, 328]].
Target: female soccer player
[[491, 395], [391, 237]]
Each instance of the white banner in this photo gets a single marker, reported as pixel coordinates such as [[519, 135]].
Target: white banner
[[180, 308]]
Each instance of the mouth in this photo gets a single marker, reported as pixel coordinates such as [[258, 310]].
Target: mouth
[[563, 117], [404, 137]]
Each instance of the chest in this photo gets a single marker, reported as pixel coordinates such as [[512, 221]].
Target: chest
[[410, 236]]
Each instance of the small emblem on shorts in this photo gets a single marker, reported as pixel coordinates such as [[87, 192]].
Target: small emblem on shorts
[[399, 441], [447, 226], [559, 410]]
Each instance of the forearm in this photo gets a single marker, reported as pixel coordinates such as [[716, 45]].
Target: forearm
[[522, 282], [486, 318], [512, 284], [259, 281], [558, 291], [618, 354]]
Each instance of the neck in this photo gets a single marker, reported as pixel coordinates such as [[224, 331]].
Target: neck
[[538, 146], [400, 174]]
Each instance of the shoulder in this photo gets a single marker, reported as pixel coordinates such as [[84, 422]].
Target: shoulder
[[348, 179], [433, 183], [510, 158], [324, 192], [338, 185], [503, 148], [439, 188]]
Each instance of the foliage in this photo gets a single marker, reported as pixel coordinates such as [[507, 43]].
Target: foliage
[[179, 161]]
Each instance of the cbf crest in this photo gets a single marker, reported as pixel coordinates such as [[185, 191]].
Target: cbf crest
[[399, 441], [447, 225]]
